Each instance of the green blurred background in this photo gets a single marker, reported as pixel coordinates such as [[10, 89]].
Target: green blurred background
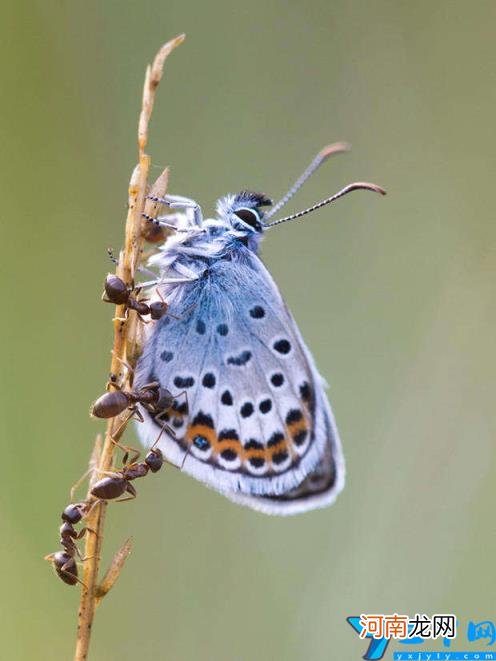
[[394, 295]]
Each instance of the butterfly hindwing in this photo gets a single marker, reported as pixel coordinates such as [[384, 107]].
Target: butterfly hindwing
[[251, 417]]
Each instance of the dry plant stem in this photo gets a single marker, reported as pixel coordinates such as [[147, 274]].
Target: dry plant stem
[[126, 341], [113, 572]]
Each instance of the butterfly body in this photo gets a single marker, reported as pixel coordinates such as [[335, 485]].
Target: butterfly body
[[251, 418]]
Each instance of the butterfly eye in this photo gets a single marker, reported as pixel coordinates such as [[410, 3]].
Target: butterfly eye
[[250, 217]]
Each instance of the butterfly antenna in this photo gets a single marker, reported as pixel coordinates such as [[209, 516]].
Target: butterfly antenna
[[322, 156], [358, 185]]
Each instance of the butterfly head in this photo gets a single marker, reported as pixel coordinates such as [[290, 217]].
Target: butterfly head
[[244, 211]]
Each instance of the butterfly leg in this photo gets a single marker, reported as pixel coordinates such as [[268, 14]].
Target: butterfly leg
[[179, 202], [168, 221]]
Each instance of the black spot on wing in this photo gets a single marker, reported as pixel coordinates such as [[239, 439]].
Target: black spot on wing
[[279, 457], [203, 419], [208, 380], [300, 437], [184, 381], [241, 359], [265, 406], [282, 346], [295, 415], [252, 444], [305, 391], [247, 409], [277, 379], [228, 455], [228, 434], [182, 408], [276, 438], [257, 312]]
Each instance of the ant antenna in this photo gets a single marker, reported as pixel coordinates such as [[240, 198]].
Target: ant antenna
[[110, 253], [322, 156], [358, 185]]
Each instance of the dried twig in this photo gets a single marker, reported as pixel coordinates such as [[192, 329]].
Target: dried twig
[[126, 347]]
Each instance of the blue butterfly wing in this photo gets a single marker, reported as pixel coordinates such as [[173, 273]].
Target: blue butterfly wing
[[251, 418]]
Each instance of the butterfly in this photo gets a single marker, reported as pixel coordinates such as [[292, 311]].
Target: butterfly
[[250, 416]]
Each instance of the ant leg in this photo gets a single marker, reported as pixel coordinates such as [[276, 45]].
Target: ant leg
[[179, 394], [132, 411], [123, 362], [75, 577], [92, 506], [186, 455], [63, 569], [128, 451], [77, 484], [165, 426], [185, 393], [158, 419], [131, 490], [112, 382], [110, 474], [134, 456], [126, 448]]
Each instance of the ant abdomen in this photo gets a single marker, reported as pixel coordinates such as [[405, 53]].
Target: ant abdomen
[[66, 567], [110, 404], [116, 289], [110, 487]]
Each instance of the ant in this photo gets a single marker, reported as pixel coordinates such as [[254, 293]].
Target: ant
[[117, 483], [155, 399], [114, 485], [119, 293], [64, 561]]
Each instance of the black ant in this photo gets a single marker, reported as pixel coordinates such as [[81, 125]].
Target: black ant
[[114, 485], [119, 293], [155, 399], [117, 483], [64, 561]]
